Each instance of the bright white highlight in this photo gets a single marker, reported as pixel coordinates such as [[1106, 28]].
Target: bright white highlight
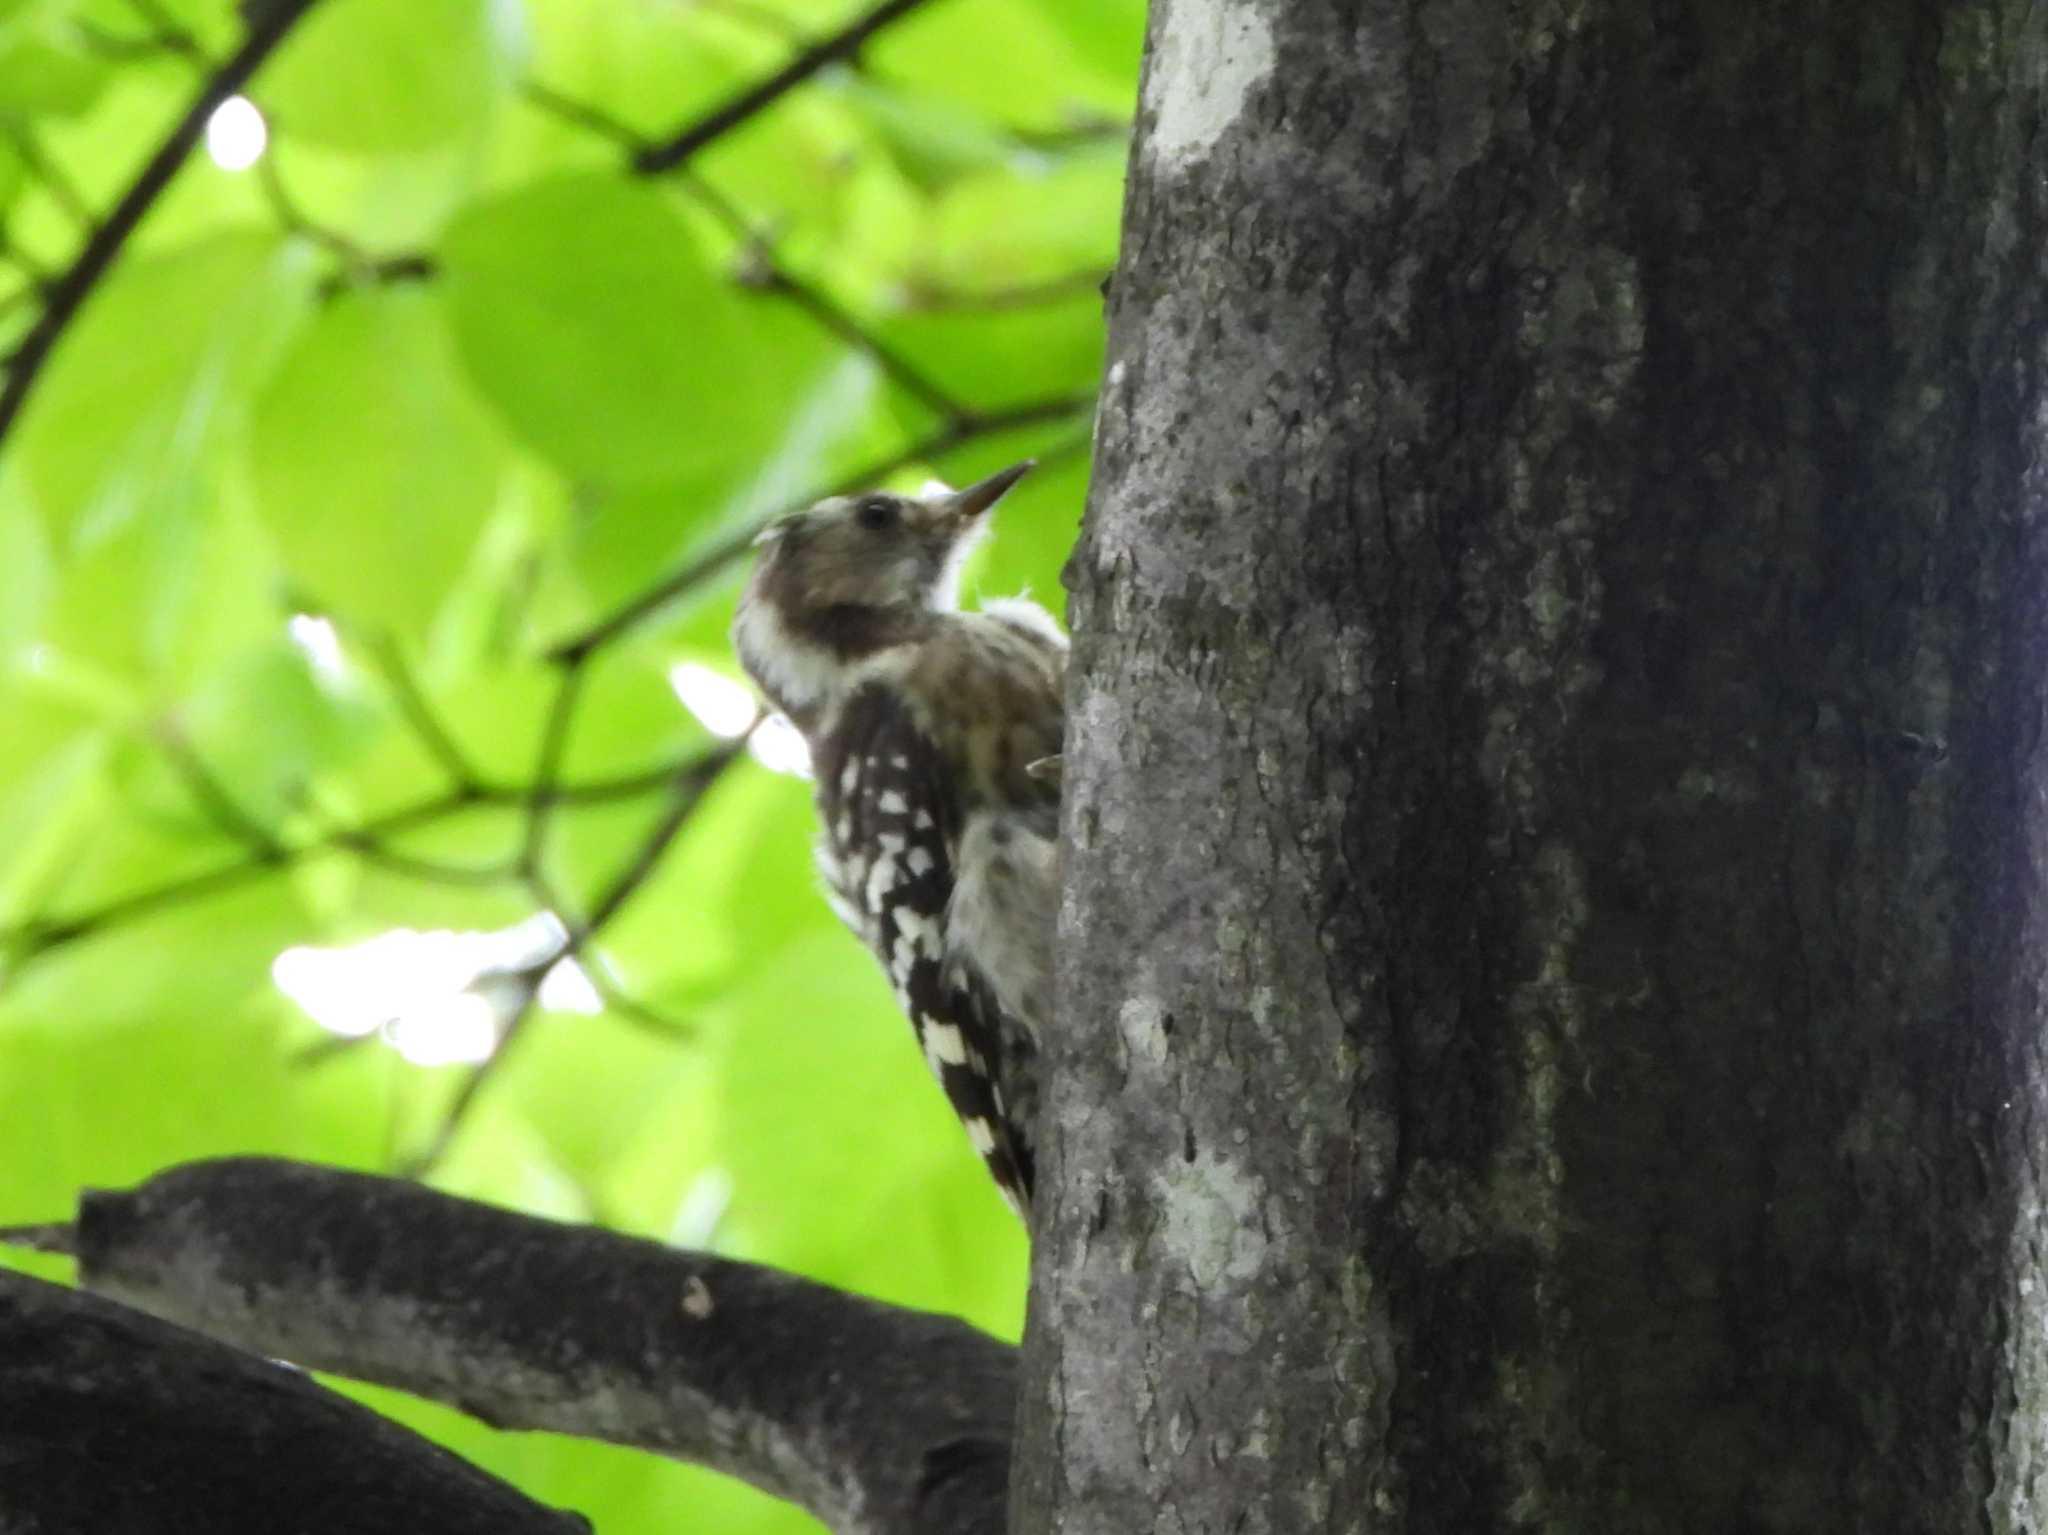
[[460, 1032], [236, 134], [319, 642], [779, 746], [727, 708], [438, 997], [722, 706]]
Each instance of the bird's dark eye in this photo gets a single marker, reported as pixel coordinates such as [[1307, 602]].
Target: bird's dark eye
[[876, 513]]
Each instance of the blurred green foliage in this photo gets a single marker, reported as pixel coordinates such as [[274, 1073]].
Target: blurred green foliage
[[347, 441]]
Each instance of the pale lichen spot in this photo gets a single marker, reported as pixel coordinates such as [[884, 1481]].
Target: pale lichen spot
[[697, 1301], [1142, 1022], [1210, 54], [1213, 1221]]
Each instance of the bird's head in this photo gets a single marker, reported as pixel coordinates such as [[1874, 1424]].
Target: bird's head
[[852, 575]]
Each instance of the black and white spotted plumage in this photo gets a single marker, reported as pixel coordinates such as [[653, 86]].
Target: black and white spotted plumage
[[890, 855], [928, 731]]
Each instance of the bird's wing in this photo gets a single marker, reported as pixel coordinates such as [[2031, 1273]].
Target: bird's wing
[[892, 827]]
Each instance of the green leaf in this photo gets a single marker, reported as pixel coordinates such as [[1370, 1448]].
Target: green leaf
[[1011, 355], [266, 727], [392, 76], [814, 1038], [45, 66], [1001, 58], [1019, 227], [1108, 34], [588, 314], [373, 465], [54, 792], [153, 375]]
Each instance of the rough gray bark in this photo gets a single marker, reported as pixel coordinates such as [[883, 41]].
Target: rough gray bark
[[877, 1419], [115, 1423], [1555, 922]]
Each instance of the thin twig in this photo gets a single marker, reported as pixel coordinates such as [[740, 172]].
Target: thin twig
[[60, 1238], [412, 704], [113, 45], [431, 871], [296, 220], [707, 565], [547, 772], [168, 28], [632, 1010], [714, 125], [759, 269], [38, 936], [763, 272], [69, 292], [62, 189], [212, 796], [689, 790], [585, 115]]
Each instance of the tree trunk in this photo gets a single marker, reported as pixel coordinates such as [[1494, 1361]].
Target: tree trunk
[[1554, 932]]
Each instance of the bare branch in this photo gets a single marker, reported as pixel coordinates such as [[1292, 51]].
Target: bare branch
[[878, 1420], [714, 125], [60, 1238], [68, 293], [101, 1407]]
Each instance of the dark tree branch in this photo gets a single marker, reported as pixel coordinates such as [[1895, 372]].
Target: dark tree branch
[[69, 292], [714, 125], [60, 1239], [877, 1420], [706, 566], [102, 1407]]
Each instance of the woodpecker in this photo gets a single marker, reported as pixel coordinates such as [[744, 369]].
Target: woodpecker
[[935, 738]]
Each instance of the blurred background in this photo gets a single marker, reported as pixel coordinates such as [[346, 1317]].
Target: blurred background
[[377, 787]]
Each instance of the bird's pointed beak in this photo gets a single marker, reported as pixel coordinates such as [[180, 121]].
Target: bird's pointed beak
[[966, 505]]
